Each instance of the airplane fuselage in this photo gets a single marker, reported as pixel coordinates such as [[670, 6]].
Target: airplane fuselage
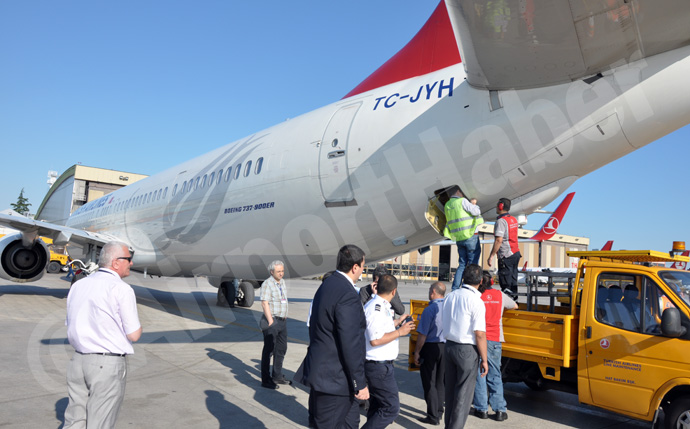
[[361, 170]]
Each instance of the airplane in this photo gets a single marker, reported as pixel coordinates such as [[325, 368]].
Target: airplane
[[503, 103]]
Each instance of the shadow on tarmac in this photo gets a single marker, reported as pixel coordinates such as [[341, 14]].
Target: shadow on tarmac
[[23, 289], [250, 376], [227, 413], [60, 407]]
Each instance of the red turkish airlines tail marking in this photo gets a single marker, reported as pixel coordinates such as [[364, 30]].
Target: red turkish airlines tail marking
[[552, 223]]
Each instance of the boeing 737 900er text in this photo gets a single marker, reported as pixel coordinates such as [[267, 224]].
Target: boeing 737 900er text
[[516, 101]]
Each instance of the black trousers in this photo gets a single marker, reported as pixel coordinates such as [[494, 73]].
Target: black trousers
[[275, 343], [384, 404], [508, 272], [432, 371], [330, 411]]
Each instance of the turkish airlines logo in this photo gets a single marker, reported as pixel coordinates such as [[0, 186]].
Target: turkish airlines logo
[[604, 343], [551, 225]]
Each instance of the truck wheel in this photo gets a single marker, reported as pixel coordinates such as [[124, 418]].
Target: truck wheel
[[247, 294], [678, 415], [54, 267]]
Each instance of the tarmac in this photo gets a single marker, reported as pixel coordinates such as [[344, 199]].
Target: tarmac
[[197, 365]]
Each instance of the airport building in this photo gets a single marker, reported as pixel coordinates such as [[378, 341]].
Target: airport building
[[78, 185], [439, 261]]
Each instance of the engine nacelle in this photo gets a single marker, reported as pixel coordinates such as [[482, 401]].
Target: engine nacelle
[[22, 264]]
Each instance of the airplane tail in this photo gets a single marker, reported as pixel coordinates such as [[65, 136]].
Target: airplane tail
[[553, 222], [681, 265], [608, 245], [432, 48]]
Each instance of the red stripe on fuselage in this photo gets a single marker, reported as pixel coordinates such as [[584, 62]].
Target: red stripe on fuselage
[[432, 48]]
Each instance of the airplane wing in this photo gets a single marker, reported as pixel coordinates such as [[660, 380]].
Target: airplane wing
[[509, 44], [31, 229]]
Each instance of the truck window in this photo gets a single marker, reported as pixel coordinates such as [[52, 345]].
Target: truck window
[[617, 302], [679, 282], [656, 301]]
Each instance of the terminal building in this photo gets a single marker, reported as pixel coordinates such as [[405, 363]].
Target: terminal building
[[78, 185]]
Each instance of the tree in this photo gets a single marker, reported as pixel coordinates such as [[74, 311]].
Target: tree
[[22, 204]]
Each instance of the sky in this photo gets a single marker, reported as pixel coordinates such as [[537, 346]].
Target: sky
[[142, 86]]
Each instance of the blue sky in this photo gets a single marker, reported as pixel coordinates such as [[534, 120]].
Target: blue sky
[[142, 86]]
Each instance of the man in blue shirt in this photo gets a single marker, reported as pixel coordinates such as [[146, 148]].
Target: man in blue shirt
[[428, 354]]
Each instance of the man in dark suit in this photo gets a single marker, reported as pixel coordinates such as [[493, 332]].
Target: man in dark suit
[[334, 366]]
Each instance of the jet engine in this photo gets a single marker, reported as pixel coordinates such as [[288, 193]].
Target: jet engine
[[20, 263]]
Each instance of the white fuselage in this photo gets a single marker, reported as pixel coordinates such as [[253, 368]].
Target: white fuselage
[[361, 170]]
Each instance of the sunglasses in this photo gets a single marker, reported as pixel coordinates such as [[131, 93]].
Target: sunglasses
[[128, 258]]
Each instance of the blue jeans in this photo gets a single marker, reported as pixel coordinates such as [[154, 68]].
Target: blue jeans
[[469, 252], [492, 381]]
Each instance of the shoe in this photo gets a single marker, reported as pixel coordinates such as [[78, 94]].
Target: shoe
[[429, 421], [270, 386], [481, 414], [501, 416], [282, 381]]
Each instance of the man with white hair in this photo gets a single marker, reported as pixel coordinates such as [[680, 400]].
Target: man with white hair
[[102, 323], [274, 304]]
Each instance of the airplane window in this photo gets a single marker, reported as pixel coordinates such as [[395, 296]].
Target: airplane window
[[211, 177], [160, 193], [203, 181], [259, 163], [227, 174], [165, 191], [334, 143], [237, 170], [184, 187], [247, 168], [155, 194], [220, 176], [148, 198], [196, 183], [174, 190]]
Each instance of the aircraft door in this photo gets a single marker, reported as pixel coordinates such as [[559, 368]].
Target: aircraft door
[[334, 175]]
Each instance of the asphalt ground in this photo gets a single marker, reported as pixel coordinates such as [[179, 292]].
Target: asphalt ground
[[197, 365]]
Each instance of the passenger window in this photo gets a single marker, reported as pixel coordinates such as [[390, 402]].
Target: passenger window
[[617, 302], [184, 187], [196, 183], [155, 194], [247, 168], [174, 191], [227, 174], [165, 192], [237, 170], [211, 177], [203, 181], [148, 198], [259, 163], [220, 176]]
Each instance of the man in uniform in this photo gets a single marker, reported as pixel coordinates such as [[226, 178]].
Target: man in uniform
[[102, 322], [464, 326], [463, 216], [428, 354], [506, 247], [274, 304], [382, 335], [368, 291]]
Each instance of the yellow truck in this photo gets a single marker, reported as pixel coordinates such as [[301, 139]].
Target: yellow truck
[[58, 257], [616, 332]]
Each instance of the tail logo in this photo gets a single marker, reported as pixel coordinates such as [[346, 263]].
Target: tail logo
[[551, 226]]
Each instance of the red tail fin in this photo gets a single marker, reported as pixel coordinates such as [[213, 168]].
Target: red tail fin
[[681, 265], [552, 223], [608, 245], [524, 267]]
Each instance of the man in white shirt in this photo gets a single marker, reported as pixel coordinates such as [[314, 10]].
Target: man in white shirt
[[102, 322], [382, 335], [464, 325]]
